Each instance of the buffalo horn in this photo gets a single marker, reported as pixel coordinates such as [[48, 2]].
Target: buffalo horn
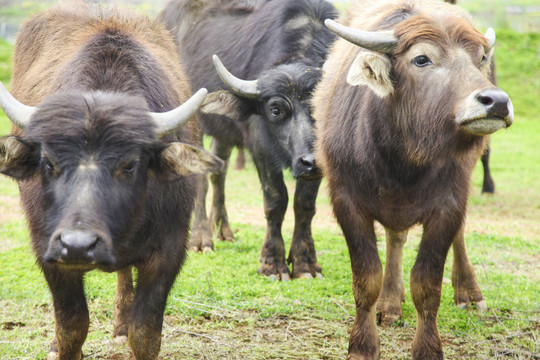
[[18, 113], [380, 41], [244, 88], [168, 122], [490, 36]]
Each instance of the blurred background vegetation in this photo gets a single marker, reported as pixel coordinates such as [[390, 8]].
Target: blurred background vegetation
[[517, 15]]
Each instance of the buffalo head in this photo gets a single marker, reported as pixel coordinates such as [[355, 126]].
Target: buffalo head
[[278, 111], [435, 71], [96, 159]]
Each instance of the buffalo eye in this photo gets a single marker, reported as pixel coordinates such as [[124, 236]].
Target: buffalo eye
[[277, 110], [421, 61], [130, 167], [48, 165], [484, 59]]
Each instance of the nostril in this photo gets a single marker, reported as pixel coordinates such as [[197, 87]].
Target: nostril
[[485, 100], [308, 161]]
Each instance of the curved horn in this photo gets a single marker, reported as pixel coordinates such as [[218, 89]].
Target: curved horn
[[380, 41], [168, 122], [244, 88], [490, 36], [17, 112]]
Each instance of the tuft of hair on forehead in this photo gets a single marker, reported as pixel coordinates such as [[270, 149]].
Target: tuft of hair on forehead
[[445, 31], [97, 117]]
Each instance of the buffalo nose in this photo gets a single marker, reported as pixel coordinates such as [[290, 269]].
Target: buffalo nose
[[77, 245], [497, 103], [308, 161]]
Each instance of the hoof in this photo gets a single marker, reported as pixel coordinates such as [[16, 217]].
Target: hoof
[[481, 305], [207, 250], [52, 355], [121, 340], [386, 319], [305, 276], [280, 277], [319, 276], [194, 249], [462, 306]]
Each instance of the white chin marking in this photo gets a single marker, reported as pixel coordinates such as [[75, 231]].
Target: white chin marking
[[53, 355]]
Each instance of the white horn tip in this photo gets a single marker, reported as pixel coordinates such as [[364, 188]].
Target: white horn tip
[[329, 23], [201, 93], [490, 36]]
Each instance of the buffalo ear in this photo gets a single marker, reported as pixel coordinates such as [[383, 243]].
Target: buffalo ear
[[372, 69], [181, 160], [224, 103], [18, 159]]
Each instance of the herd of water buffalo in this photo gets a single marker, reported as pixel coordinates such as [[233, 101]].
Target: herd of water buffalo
[[391, 102]]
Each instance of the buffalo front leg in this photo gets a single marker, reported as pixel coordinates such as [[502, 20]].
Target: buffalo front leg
[[155, 279], [466, 289], [70, 312], [220, 219], [393, 290], [426, 282], [302, 254], [201, 234], [122, 304], [367, 276], [275, 204]]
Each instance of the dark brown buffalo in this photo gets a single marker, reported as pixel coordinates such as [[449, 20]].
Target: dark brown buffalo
[[280, 46], [402, 115], [104, 164]]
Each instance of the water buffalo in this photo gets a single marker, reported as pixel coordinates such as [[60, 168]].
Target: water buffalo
[[401, 115], [106, 163], [280, 45]]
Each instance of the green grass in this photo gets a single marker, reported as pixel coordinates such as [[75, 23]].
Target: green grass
[[220, 308]]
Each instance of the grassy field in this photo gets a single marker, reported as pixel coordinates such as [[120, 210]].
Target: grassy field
[[220, 308]]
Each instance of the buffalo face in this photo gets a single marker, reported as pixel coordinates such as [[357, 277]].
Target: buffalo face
[[94, 158], [434, 77], [281, 124]]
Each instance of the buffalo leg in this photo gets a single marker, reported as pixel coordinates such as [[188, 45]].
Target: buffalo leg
[[70, 312], [122, 304], [302, 254], [155, 279], [275, 205], [466, 288], [367, 276], [489, 185], [393, 290], [240, 163], [220, 219], [426, 282], [201, 235]]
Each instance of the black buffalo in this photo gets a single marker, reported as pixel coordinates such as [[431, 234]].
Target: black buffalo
[[104, 164], [280, 46]]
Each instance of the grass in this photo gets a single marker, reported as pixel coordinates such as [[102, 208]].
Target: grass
[[220, 308]]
